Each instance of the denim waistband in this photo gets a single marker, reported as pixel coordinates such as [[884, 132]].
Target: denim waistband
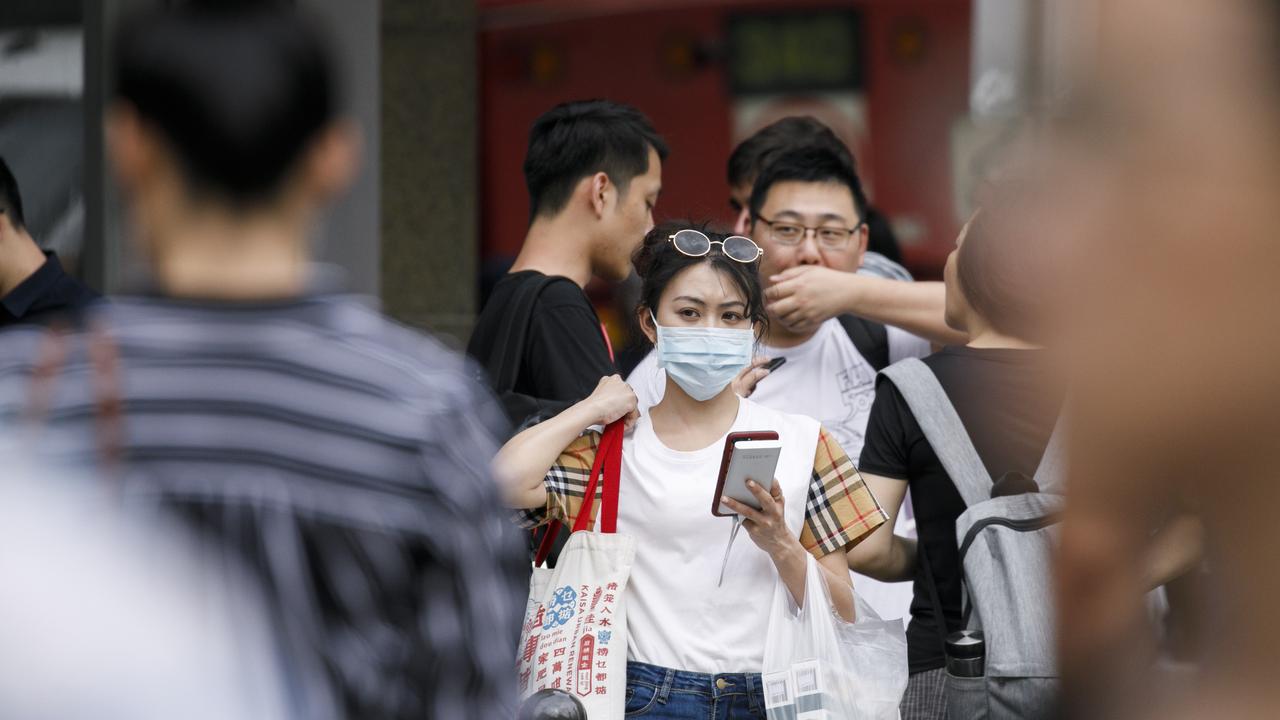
[[668, 681]]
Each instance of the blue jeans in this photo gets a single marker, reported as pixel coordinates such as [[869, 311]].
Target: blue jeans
[[658, 692]]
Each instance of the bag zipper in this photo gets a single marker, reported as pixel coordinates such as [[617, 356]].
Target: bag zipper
[[1028, 525]]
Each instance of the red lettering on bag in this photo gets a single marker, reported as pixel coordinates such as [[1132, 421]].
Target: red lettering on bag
[[530, 648], [586, 648]]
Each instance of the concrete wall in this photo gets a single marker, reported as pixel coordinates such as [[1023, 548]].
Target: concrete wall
[[429, 119]]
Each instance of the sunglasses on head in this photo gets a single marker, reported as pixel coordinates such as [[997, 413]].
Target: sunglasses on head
[[735, 247]]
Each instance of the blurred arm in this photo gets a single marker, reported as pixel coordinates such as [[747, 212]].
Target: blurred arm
[[1174, 551]]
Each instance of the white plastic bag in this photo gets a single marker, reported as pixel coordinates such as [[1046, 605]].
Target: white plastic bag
[[819, 667]]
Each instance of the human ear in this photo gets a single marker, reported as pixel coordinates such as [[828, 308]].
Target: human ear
[[602, 191], [132, 150], [644, 316], [332, 160]]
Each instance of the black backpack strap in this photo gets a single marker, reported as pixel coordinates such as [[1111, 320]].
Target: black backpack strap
[[870, 338], [502, 363]]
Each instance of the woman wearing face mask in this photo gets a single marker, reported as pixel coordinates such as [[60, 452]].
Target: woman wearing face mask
[[695, 647]]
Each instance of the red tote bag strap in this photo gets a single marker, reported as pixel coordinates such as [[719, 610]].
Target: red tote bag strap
[[612, 481], [608, 461]]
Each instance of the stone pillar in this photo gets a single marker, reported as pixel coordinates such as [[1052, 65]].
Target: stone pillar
[[430, 239]]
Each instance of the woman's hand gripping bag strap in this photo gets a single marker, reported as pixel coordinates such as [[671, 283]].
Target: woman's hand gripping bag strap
[[817, 665], [574, 636]]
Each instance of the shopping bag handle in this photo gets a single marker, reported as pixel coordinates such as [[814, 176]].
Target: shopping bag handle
[[608, 461]]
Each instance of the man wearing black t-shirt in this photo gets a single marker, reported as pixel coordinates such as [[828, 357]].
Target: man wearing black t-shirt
[[594, 171], [1008, 401], [33, 285]]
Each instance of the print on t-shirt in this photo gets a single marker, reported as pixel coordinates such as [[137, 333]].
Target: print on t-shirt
[[857, 390]]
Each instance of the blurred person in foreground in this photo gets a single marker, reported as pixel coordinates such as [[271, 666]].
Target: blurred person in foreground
[[108, 613], [33, 285], [1167, 163], [1007, 401], [341, 457]]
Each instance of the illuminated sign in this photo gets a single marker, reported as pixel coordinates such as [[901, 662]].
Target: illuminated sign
[[819, 50]]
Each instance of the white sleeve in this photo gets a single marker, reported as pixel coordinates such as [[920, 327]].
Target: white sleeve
[[903, 345], [648, 381]]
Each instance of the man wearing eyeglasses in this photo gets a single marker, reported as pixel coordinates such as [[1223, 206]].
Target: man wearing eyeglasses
[[751, 155], [807, 209]]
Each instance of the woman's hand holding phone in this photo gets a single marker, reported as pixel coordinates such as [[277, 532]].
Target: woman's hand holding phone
[[766, 526]]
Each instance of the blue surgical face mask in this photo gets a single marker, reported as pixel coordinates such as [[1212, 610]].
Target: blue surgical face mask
[[703, 360]]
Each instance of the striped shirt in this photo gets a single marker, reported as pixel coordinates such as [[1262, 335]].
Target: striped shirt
[[339, 456]]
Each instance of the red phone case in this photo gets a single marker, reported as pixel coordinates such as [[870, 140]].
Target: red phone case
[[729, 442]]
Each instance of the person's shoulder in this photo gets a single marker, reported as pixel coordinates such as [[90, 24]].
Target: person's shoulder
[[404, 345], [20, 342], [771, 419], [947, 358], [877, 265], [645, 370], [559, 292], [553, 291]]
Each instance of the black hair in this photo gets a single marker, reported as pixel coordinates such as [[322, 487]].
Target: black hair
[[577, 139], [239, 89], [10, 197], [880, 235], [789, 133], [657, 262], [807, 164]]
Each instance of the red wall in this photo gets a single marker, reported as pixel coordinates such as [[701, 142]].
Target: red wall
[[912, 105]]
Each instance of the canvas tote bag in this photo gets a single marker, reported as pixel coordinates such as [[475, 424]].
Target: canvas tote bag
[[574, 636]]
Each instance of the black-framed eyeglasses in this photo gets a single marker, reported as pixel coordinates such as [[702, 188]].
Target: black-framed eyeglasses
[[830, 237], [695, 243]]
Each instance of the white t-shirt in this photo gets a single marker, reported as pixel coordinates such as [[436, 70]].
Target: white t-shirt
[[677, 617], [825, 378]]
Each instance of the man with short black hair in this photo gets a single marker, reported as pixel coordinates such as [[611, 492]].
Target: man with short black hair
[[33, 285], [790, 133], [594, 171], [340, 457]]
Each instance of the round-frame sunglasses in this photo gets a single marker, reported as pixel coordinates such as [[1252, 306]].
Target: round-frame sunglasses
[[695, 243]]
